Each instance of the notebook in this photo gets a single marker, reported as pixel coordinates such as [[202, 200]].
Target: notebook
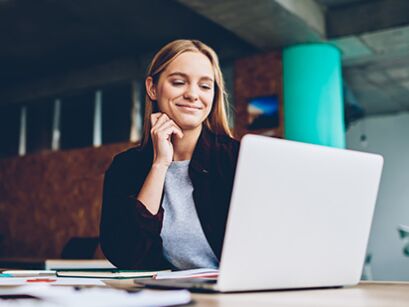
[[61, 264], [103, 274], [54, 264]]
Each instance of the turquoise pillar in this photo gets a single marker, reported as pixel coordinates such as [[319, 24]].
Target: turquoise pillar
[[313, 102]]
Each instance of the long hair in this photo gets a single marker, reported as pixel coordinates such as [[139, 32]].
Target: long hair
[[217, 120]]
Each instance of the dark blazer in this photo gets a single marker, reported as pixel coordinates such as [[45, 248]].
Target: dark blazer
[[130, 234]]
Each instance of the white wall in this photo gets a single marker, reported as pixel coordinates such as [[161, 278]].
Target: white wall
[[388, 136]]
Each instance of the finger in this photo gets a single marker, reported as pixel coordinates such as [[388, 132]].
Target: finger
[[164, 134], [171, 124], [163, 126], [163, 118], [163, 123], [162, 130], [177, 131], [169, 131], [154, 118]]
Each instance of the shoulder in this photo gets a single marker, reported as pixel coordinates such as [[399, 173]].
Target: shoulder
[[129, 154], [211, 143], [226, 140], [224, 155], [224, 150], [130, 158], [226, 144], [128, 169]]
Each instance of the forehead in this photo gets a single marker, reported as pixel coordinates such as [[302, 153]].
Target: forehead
[[193, 64]]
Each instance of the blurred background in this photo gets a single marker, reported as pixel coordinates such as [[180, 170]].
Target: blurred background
[[330, 72]]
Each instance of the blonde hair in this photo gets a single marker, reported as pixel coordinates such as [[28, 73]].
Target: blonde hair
[[217, 120]]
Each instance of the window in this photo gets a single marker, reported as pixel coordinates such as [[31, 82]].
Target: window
[[39, 125], [9, 130], [84, 119], [116, 113], [77, 120]]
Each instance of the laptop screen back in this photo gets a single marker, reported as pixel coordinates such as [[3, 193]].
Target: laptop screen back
[[299, 217]]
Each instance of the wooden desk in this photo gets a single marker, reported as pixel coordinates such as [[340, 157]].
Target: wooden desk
[[385, 294]]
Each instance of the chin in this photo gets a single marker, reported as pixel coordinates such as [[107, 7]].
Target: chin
[[188, 125]]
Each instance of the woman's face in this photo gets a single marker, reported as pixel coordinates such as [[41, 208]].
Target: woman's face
[[185, 90]]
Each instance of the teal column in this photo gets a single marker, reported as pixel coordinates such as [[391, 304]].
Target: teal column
[[313, 102]]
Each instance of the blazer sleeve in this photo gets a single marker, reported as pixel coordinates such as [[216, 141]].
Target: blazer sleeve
[[129, 233]]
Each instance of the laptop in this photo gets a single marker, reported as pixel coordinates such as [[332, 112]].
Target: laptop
[[300, 217]]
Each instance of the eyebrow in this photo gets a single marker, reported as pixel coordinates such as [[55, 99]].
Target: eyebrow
[[186, 76]]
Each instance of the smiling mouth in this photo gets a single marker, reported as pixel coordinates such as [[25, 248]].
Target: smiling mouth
[[187, 106]]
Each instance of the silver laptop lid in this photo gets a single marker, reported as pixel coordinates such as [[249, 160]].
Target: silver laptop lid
[[299, 217]]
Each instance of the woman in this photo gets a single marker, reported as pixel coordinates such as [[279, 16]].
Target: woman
[[165, 203]]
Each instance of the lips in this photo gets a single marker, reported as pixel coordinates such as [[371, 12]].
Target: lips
[[188, 106]]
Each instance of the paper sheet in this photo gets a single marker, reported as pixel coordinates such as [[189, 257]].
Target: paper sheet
[[194, 273], [49, 296], [49, 280]]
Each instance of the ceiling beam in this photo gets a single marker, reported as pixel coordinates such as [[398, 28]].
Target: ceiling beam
[[117, 71], [366, 17], [266, 24]]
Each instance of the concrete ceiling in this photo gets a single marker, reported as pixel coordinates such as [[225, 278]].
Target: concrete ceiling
[[48, 37], [373, 36]]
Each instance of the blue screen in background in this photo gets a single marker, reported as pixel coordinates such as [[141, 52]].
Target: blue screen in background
[[263, 113]]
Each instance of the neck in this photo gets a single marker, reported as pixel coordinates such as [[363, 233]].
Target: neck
[[183, 148]]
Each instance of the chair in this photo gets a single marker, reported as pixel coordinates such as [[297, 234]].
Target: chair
[[80, 248]]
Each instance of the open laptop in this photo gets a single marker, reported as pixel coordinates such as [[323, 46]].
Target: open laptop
[[300, 217]]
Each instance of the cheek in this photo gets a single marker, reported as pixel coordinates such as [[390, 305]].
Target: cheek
[[169, 91], [209, 98], [210, 105], [164, 94]]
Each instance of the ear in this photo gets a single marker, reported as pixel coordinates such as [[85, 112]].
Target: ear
[[150, 88]]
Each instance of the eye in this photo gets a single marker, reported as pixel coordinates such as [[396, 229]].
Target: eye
[[205, 86], [178, 82]]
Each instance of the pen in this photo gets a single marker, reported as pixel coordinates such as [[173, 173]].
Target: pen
[[41, 280]]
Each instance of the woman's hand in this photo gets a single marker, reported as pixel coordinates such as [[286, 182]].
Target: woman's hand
[[161, 132]]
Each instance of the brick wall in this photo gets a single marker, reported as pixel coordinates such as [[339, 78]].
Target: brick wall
[[255, 76]]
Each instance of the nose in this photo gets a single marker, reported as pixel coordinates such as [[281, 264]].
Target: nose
[[191, 94]]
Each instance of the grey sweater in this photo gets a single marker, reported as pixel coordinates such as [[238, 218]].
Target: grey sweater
[[184, 243]]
